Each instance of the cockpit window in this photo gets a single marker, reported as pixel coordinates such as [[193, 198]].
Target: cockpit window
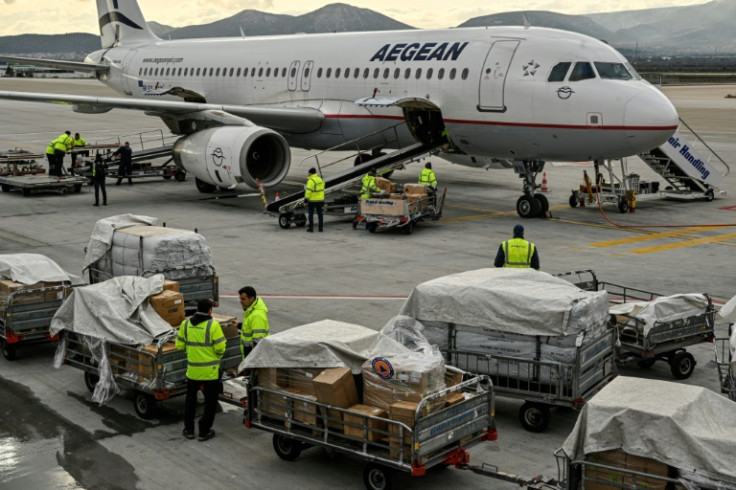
[[612, 71], [559, 71], [582, 71], [633, 72]]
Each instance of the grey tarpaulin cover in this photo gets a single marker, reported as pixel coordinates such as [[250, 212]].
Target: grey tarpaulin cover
[[323, 344], [688, 427], [31, 268], [101, 239], [115, 310], [662, 309], [522, 301]]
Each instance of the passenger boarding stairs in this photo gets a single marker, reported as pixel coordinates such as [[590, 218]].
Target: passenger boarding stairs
[[688, 174], [384, 163]]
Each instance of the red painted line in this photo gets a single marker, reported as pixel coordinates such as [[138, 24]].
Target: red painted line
[[728, 208], [323, 296]]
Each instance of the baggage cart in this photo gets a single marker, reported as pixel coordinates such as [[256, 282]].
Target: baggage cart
[[665, 341], [345, 205], [724, 363], [152, 375], [32, 184], [20, 162], [380, 214], [386, 446], [26, 317]]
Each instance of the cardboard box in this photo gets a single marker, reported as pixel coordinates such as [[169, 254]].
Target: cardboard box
[[8, 287], [304, 410], [171, 285], [301, 380], [382, 207], [403, 412], [146, 368], [118, 358], [170, 306], [453, 377], [273, 405], [417, 202], [454, 398], [229, 325], [386, 185], [360, 422], [620, 459], [336, 387], [415, 189]]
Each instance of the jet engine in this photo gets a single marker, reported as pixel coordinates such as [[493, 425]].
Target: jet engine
[[229, 155]]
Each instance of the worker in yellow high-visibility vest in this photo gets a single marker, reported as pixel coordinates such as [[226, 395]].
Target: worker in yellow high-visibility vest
[[314, 194], [427, 177], [202, 338], [517, 252], [255, 320]]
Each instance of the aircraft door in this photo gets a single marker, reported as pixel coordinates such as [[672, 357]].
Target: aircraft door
[[493, 75], [128, 80], [307, 76], [293, 76]]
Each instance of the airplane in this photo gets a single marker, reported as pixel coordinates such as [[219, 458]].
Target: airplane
[[495, 97]]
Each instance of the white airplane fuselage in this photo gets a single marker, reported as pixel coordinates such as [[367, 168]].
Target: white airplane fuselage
[[489, 85]]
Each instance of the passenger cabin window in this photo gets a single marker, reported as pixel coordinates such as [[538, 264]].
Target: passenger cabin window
[[356, 73], [283, 72], [465, 73], [559, 71], [337, 72], [441, 74], [237, 74], [347, 72], [582, 71], [376, 71], [429, 73], [366, 72], [268, 72], [418, 74], [319, 72], [260, 73], [327, 74], [397, 72], [612, 71]]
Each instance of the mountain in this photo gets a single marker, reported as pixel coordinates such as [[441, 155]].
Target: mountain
[[704, 29]]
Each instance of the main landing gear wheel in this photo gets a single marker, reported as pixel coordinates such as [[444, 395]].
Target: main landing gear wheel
[[528, 207], [285, 220], [286, 448], [377, 477], [543, 203], [534, 417], [682, 365], [145, 405], [90, 381]]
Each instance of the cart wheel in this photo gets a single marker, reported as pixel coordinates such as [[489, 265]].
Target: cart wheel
[[623, 206], [301, 221], [682, 365], [573, 201], [408, 228], [180, 176], [355, 224], [371, 227], [145, 405], [285, 220], [8, 350], [77, 188], [286, 448], [543, 204], [377, 477], [167, 176], [710, 195], [534, 417], [646, 363], [5, 188], [90, 381]]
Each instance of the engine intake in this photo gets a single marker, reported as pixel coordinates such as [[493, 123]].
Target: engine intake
[[229, 155]]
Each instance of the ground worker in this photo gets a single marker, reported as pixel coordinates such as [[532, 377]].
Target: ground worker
[[62, 144], [126, 166], [517, 252], [427, 177], [51, 157], [369, 185], [77, 143], [99, 171], [202, 339], [255, 320], [314, 194]]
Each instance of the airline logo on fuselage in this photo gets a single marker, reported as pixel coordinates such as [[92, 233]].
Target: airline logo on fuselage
[[420, 51]]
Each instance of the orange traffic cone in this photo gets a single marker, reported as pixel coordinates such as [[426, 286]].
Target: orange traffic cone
[[544, 183], [277, 197]]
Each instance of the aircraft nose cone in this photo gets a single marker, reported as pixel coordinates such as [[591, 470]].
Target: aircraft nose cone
[[650, 119]]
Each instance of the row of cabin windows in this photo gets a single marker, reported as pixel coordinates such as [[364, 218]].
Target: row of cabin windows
[[328, 73]]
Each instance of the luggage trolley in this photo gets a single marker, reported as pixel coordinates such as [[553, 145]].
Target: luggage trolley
[[152, 374], [724, 363], [382, 214], [386, 446], [665, 341], [20, 162]]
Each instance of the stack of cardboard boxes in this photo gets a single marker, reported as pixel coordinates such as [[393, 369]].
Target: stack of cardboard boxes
[[620, 479], [391, 204], [34, 294], [169, 303]]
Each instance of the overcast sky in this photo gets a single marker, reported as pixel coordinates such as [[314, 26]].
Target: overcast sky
[[54, 16]]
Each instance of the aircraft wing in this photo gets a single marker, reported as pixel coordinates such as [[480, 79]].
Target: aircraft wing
[[58, 64], [278, 118]]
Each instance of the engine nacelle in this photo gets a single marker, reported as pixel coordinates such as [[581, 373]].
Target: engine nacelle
[[229, 155]]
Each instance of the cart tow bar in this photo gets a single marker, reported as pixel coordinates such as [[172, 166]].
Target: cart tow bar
[[536, 482]]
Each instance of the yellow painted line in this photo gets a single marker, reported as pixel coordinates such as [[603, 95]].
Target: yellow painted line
[[682, 244], [651, 236]]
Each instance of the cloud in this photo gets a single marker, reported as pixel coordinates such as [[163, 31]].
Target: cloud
[[8, 2]]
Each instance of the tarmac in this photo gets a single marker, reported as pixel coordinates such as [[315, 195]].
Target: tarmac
[[53, 436]]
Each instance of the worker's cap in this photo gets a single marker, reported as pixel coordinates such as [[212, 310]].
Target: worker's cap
[[373, 171], [312, 170], [518, 230]]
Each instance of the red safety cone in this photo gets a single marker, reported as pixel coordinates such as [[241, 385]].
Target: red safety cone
[[277, 197], [544, 183]]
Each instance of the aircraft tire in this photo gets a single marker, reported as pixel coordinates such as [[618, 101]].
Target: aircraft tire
[[543, 204], [528, 207]]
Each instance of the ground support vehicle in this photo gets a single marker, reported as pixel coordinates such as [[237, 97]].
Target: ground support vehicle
[[153, 373], [30, 184], [26, 317], [20, 162], [665, 341], [380, 214], [439, 438], [542, 384], [345, 205], [725, 365]]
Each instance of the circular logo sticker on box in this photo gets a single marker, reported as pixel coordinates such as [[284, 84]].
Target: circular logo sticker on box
[[383, 368]]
